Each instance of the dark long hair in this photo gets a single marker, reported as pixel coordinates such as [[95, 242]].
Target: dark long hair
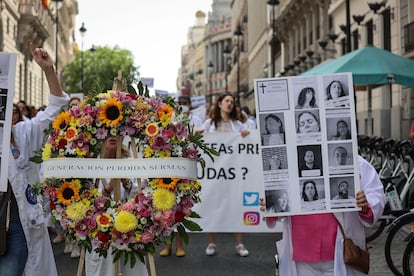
[[277, 119], [302, 96], [315, 196], [216, 118]]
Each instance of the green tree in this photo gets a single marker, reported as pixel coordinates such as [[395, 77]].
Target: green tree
[[99, 70]]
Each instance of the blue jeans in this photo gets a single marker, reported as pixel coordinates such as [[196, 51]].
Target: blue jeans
[[13, 263]]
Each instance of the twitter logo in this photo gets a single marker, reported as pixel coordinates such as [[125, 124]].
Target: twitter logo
[[250, 199]]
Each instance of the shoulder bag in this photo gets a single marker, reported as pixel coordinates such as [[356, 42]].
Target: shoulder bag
[[353, 254]]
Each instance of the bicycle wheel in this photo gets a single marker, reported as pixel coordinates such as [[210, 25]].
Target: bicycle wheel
[[397, 237], [373, 232], [408, 258]]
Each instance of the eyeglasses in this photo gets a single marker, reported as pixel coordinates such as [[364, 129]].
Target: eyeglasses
[[15, 111]]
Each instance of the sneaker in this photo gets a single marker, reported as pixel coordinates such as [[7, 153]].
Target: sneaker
[[68, 247], [241, 250], [75, 251], [211, 249]]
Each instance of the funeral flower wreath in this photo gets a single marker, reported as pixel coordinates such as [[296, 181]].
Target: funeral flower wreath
[[131, 228]]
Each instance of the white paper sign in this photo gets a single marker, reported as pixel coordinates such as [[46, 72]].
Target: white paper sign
[[232, 185], [7, 80], [308, 146]]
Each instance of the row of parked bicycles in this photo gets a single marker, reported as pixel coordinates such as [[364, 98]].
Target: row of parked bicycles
[[394, 161]]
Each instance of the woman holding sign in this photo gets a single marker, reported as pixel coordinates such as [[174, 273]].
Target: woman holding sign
[[313, 244], [224, 119], [29, 251]]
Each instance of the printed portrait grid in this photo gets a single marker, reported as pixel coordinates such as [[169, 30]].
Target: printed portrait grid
[[308, 143]]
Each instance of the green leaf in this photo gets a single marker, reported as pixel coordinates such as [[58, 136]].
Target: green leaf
[[133, 260], [194, 215], [182, 233], [191, 225], [117, 256]]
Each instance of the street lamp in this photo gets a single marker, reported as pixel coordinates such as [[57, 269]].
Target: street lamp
[[239, 34], [273, 42], [210, 84], [58, 5], [226, 54], [82, 31]]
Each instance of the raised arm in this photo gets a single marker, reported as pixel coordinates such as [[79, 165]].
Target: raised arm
[[45, 62]]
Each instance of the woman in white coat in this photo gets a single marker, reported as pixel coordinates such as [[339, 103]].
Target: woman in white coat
[[29, 251], [323, 229], [224, 119]]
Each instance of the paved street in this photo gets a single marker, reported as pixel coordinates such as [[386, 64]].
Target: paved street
[[226, 262]]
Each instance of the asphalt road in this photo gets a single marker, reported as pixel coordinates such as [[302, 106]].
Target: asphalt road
[[225, 262]]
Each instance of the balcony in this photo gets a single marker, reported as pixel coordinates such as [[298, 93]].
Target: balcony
[[31, 26]]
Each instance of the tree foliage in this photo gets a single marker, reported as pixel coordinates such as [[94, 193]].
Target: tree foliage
[[99, 70]]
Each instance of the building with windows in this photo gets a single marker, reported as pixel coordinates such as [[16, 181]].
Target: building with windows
[[50, 26]]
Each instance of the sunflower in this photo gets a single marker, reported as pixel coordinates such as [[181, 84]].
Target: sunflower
[[111, 112], [61, 121], [167, 183], [152, 130], [68, 192]]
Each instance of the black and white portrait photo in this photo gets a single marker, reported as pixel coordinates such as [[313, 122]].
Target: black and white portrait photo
[[340, 158], [277, 201], [273, 130], [338, 128], [309, 160], [312, 194]]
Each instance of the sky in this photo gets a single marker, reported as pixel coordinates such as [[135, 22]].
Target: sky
[[153, 30]]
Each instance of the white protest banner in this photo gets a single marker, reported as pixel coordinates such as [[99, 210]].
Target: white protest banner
[[7, 80], [308, 145], [120, 168], [232, 185]]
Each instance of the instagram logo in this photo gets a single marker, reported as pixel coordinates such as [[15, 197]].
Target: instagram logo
[[251, 218]]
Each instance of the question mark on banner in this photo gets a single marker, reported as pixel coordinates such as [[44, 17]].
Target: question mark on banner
[[245, 170]]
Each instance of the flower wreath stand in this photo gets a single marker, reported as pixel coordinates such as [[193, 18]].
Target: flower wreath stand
[[165, 152]]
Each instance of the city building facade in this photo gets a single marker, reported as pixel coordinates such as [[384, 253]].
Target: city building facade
[[289, 37], [48, 24]]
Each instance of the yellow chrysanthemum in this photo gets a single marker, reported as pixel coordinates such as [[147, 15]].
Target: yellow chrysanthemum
[[152, 130], [125, 222], [163, 199], [47, 151], [165, 153], [167, 183], [68, 192], [104, 220], [77, 211], [61, 121], [165, 120], [111, 112], [148, 152]]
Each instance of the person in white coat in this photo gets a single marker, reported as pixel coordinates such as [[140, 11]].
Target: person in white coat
[[320, 234], [224, 119], [29, 251]]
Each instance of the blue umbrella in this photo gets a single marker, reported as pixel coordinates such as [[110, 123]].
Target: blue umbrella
[[370, 66]]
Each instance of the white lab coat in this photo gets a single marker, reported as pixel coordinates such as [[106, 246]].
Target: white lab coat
[[351, 222], [22, 173]]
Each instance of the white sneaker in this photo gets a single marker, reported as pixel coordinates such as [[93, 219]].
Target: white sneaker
[[75, 251], [68, 246], [211, 249], [241, 250]]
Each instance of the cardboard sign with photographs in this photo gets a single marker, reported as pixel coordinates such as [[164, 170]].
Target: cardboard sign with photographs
[[308, 147], [7, 79]]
